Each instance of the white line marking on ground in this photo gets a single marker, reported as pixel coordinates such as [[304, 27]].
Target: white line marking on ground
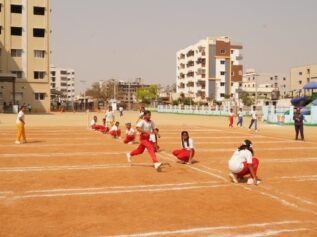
[[263, 233], [101, 192], [61, 168], [206, 229], [55, 154]]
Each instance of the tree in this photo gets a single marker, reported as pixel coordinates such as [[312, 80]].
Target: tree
[[244, 96], [96, 91], [146, 94]]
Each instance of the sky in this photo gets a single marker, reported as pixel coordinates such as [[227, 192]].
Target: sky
[[126, 39]]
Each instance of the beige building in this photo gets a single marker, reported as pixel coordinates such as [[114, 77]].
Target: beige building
[[25, 54], [211, 68], [301, 76]]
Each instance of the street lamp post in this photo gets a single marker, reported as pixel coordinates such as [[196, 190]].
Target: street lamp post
[[83, 81]]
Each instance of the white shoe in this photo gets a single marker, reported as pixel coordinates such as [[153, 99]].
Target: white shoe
[[251, 181], [157, 165], [234, 178], [17, 142], [129, 157], [130, 143]]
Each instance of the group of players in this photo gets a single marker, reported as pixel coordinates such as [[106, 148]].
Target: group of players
[[242, 163]]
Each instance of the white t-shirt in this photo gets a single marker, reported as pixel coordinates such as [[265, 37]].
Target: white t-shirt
[[130, 132], [237, 160], [190, 145], [231, 114], [20, 116], [141, 115], [240, 114], [254, 115], [109, 116], [114, 128], [147, 126], [93, 122], [121, 109]]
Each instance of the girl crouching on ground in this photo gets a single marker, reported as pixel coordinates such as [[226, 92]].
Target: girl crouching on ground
[[186, 154], [243, 163]]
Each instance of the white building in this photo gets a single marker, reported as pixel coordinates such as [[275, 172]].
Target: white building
[[209, 69], [62, 84], [300, 76]]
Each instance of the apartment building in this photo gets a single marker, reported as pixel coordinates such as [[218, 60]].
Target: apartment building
[[25, 53], [62, 85], [209, 69], [255, 81], [302, 75]]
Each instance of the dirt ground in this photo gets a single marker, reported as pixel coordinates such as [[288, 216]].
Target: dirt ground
[[69, 180]]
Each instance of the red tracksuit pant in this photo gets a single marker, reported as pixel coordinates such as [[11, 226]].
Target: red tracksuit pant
[[245, 171], [129, 138], [116, 133], [183, 154], [145, 143]]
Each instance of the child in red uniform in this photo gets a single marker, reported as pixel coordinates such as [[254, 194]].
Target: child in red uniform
[[231, 114], [130, 134], [186, 154], [94, 124], [115, 132], [145, 127]]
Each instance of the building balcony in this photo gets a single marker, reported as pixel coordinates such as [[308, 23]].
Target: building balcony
[[190, 84]]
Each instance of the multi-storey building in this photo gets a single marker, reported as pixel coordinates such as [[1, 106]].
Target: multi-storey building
[[253, 81], [302, 75], [211, 68], [25, 53], [62, 85]]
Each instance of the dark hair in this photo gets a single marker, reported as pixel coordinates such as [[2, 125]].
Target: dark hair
[[146, 112], [187, 140], [246, 145]]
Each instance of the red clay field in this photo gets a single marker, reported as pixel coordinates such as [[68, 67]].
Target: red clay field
[[69, 180]]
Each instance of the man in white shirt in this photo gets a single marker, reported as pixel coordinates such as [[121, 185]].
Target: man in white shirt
[[254, 120], [20, 123], [109, 118], [145, 127]]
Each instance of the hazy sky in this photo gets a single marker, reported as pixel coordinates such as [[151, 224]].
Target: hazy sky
[[125, 39]]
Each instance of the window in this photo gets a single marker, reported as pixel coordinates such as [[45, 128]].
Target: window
[[222, 62], [222, 84], [0, 29], [222, 95], [222, 73], [16, 30], [222, 51], [300, 82], [300, 73], [275, 77], [39, 11], [19, 74], [16, 8], [16, 53], [231, 51], [37, 32], [271, 78], [39, 53], [0, 6], [284, 78], [39, 96], [39, 75]]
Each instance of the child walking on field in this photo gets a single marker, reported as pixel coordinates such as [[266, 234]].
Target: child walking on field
[[243, 163], [186, 154], [145, 127]]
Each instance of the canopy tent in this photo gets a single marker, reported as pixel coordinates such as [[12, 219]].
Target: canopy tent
[[311, 85]]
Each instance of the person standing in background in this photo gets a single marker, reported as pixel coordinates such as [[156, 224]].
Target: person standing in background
[[254, 120], [240, 118], [20, 124], [299, 124]]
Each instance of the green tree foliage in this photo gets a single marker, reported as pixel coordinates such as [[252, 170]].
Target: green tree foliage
[[146, 94], [244, 96]]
